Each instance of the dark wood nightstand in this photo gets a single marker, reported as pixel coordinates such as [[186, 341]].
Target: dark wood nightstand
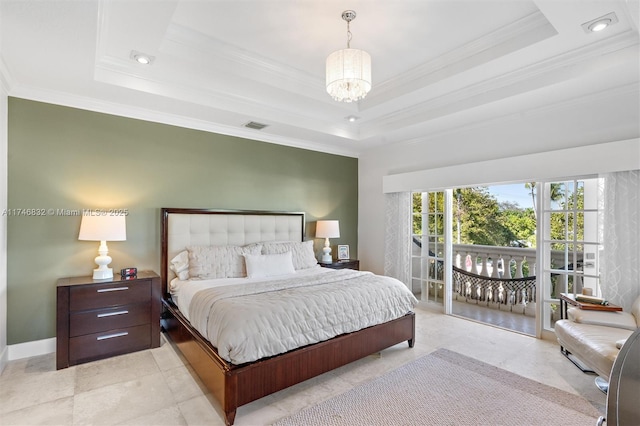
[[97, 319], [342, 264]]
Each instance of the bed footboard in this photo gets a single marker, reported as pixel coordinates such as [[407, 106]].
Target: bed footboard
[[233, 386]]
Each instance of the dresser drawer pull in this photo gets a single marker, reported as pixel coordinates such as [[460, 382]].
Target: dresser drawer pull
[[110, 314], [111, 336], [104, 290]]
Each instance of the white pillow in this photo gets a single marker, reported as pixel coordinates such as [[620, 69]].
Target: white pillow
[[208, 262], [180, 265], [301, 252], [268, 265], [604, 318]]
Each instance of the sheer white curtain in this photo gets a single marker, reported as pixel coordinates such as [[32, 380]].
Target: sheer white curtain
[[397, 236], [619, 271]]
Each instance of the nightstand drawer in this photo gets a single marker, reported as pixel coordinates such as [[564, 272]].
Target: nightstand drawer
[[108, 343], [88, 322], [97, 319], [111, 294]]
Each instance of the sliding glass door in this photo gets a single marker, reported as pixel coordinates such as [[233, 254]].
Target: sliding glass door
[[527, 279], [431, 247], [569, 242]]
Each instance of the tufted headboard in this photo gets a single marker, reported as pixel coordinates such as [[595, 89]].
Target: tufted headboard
[[183, 227]]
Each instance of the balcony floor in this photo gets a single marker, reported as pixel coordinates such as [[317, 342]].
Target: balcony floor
[[504, 319]]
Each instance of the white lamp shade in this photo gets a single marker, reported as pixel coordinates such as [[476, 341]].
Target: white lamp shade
[[348, 76], [327, 229], [103, 228]]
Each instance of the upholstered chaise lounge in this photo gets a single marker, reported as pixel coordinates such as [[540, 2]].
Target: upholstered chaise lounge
[[595, 337]]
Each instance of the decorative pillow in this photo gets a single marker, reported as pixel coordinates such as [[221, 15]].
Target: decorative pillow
[[301, 252], [268, 265], [208, 262], [180, 265], [607, 319]]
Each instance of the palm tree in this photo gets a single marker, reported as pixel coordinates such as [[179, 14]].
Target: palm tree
[[531, 186], [555, 193]]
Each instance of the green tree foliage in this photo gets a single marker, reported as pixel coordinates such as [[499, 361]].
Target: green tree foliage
[[521, 224], [479, 218], [567, 225], [436, 211], [555, 195], [484, 221], [417, 213], [478, 212]]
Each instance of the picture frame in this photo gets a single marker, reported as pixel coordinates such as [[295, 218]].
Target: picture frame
[[343, 252]]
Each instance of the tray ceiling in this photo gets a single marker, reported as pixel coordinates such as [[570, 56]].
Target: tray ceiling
[[217, 65]]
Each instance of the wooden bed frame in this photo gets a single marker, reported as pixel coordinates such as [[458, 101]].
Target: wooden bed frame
[[235, 385]]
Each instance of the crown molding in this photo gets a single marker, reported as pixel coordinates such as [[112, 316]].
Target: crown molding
[[510, 38], [102, 30], [631, 10], [519, 81], [184, 42], [550, 108], [113, 108], [270, 109]]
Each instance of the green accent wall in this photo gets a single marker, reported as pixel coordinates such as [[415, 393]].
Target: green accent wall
[[64, 159]]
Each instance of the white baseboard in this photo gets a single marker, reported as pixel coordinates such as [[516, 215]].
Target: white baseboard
[[29, 349]]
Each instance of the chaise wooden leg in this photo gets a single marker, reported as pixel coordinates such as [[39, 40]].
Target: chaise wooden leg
[[229, 417], [410, 342]]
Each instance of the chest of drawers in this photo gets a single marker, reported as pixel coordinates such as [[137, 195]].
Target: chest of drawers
[[101, 318]]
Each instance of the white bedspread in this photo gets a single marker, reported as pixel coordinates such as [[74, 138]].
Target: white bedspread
[[250, 320]]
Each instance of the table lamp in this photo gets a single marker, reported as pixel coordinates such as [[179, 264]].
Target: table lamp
[[103, 229], [327, 229]]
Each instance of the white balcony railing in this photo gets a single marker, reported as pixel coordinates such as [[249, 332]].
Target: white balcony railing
[[496, 277], [481, 260], [499, 277]]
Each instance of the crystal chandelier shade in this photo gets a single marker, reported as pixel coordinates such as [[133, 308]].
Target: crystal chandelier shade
[[348, 73]]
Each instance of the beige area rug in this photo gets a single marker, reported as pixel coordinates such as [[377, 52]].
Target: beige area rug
[[447, 388]]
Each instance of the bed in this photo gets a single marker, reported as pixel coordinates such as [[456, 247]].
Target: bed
[[232, 369]]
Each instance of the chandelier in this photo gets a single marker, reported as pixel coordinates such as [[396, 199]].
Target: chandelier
[[348, 70]]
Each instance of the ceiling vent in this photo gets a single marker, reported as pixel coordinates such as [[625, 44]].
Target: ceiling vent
[[255, 125]]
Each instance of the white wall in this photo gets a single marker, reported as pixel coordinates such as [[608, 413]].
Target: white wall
[[607, 118], [585, 161]]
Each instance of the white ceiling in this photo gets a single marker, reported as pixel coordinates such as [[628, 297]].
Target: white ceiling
[[437, 64]]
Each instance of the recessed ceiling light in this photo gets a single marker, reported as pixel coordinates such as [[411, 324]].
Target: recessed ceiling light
[[599, 24], [352, 118], [141, 58]]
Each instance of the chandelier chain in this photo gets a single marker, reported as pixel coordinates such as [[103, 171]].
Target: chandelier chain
[[348, 35]]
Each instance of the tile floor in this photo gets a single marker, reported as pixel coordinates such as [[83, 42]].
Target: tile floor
[[505, 319], [154, 387]]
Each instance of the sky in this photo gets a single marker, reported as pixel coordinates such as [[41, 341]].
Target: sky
[[516, 193]]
